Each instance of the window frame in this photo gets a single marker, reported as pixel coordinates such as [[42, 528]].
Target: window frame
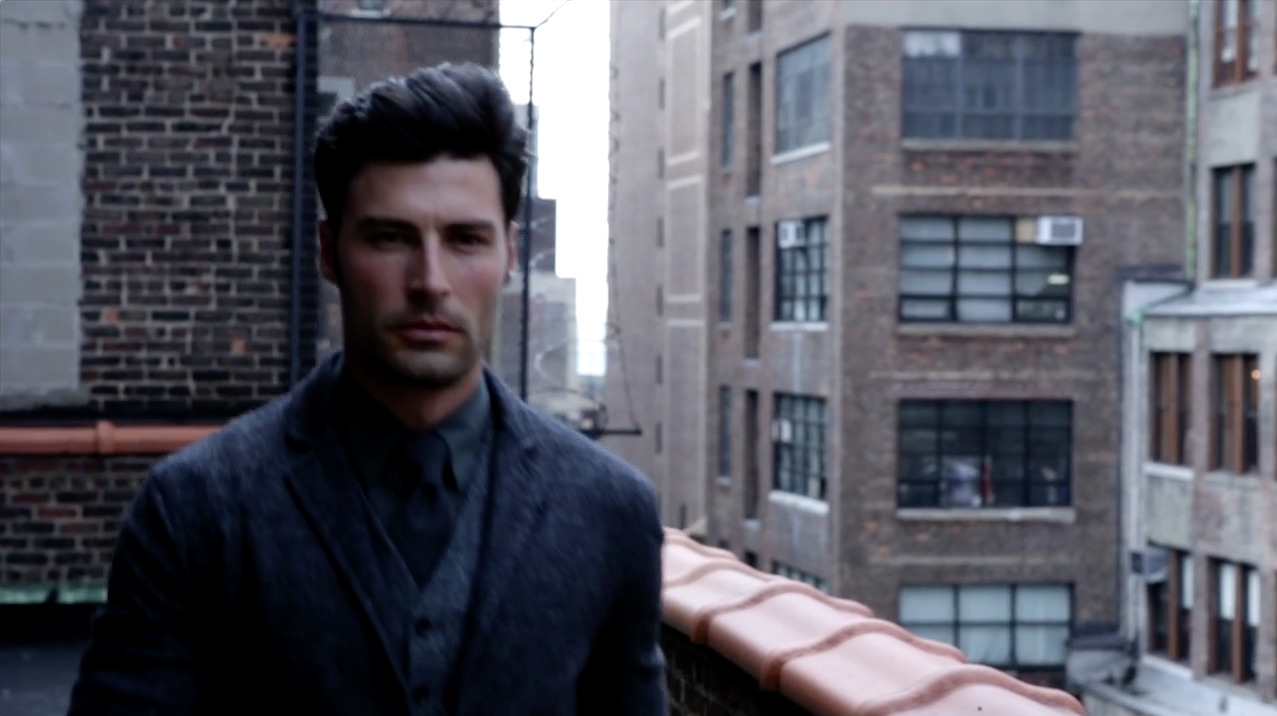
[[929, 54], [955, 271], [800, 464], [1232, 639], [980, 491], [1170, 608], [1170, 407], [1243, 66], [1233, 236], [807, 266], [817, 72], [1012, 623], [1234, 403]]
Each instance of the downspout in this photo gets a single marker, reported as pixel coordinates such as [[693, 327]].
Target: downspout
[[1190, 140]]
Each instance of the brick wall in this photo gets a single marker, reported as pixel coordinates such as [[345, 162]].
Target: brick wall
[[187, 227], [59, 516], [700, 681]]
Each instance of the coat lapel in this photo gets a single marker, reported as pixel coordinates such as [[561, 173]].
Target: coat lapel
[[516, 505], [327, 490]]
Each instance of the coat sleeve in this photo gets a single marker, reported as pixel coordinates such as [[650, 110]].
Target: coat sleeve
[[141, 658], [626, 673]]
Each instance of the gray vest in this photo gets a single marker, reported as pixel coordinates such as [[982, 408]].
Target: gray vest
[[437, 624]]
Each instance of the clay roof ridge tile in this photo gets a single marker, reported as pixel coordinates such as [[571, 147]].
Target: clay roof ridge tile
[[769, 678], [714, 565], [939, 685]]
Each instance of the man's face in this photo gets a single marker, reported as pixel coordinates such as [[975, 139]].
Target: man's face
[[420, 258]]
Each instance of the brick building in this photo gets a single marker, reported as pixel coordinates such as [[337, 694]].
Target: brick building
[[151, 267], [868, 261], [1200, 406]]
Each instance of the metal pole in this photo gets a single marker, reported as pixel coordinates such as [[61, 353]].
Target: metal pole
[[299, 186], [525, 245]]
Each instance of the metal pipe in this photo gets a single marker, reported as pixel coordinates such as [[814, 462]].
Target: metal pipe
[[525, 245], [299, 182]]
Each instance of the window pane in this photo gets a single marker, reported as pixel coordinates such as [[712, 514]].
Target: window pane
[[1252, 598], [926, 283], [927, 228], [926, 605], [1041, 257], [984, 283], [942, 634], [1227, 601], [1053, 413], [986, 257], [983, 228], [914, 255], [922, 310], [1040, 645], [986, 645], [984, 603], [1048, 603], [984, 310]]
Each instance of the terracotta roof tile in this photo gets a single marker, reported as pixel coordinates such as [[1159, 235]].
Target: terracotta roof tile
[[831, 656]]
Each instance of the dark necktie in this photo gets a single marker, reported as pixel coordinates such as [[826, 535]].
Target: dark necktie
[[422, 527]]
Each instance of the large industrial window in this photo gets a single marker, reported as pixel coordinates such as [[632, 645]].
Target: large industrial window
[[977, 453], [970, 269], [802, 96], [1018, 626], [802, 284], [798, 445], [989, 85]]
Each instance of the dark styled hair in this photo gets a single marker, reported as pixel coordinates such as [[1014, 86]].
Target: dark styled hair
[[462, 111]]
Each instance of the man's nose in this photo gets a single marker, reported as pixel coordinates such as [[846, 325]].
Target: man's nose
[[429, 273]]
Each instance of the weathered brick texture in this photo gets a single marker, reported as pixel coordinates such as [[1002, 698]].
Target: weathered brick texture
[[60, 516], [703, 683], [187, 226]]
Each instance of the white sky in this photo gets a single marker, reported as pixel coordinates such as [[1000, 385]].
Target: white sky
[[570, 89]]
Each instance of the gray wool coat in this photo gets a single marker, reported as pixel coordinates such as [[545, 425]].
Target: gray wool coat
[[249, 578]]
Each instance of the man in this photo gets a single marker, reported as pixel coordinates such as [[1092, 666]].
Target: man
[[399, 534]]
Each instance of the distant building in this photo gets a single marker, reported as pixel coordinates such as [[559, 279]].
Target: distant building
[[1199, 435], [869, 257]]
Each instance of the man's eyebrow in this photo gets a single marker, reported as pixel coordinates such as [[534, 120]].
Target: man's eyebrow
[[377, 222], [476, 225]]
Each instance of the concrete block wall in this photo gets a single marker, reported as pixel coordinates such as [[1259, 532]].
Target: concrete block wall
[[41, 127]]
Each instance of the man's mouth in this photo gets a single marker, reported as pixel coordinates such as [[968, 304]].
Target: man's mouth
[[426, 331]]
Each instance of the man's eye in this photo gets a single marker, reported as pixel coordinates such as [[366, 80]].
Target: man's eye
[[385, 237], [470, 239]]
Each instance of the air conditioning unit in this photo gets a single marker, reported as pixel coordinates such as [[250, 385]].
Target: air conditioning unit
[[789, 234], [1151, 563], [1059, 230], [782, 430]]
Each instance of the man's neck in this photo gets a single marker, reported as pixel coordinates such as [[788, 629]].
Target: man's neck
[[417, 408]]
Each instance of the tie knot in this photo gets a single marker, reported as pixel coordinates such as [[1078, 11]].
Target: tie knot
[[423, 459]]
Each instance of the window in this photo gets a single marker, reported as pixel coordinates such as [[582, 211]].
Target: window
[[751, 455], [724, 431], [1170, 605], [1235, 413], [802, 96], [1020, 626], [660, 369], [660, 93], [371, 6], [660, 300], [754, 131], [989, 85], [1235, 609], [784, 570], [729, 118], [660, 232], [798, 445], [753, 289], [995, 453], [1170, 395], [725, 276], [1236, 41], [1233, 208], [660, 163], [754, 8], [801, 282], [970, 269]]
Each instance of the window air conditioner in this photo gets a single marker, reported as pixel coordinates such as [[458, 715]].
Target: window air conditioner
[[789, 234], [1059, 230]]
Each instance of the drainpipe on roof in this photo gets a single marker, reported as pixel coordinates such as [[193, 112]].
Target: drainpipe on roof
[[1193, 66]]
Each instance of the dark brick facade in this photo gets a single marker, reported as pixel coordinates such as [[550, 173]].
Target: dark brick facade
[[59, 516], [188, 188], [703, 683]]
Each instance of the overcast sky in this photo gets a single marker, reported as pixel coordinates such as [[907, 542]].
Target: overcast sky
[[571, 91]]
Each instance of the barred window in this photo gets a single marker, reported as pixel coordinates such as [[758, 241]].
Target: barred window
[[798, 445], [802, 285], [970, 269], [980, 454], [989, 85], [802, 95]]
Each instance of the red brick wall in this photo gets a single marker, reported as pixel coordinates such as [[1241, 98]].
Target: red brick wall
[[700, 681], [59, 516], [187, 188]]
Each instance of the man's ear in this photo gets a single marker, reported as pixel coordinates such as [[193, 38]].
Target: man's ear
[[327, 252], [512, 249]]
